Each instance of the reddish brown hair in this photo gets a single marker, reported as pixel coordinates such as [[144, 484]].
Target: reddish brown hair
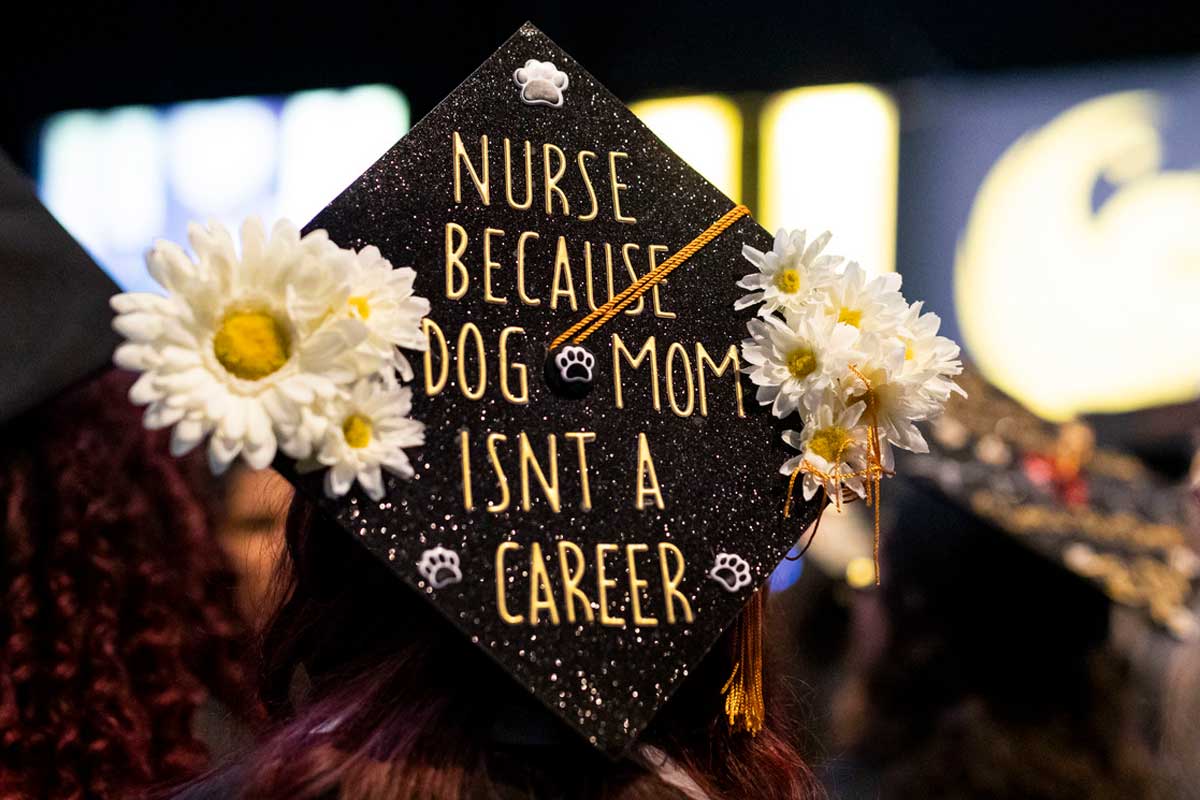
[[402, 706], [117, 615]]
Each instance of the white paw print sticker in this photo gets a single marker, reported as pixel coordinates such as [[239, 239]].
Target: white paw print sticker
[[541, 83], [731, 571], [575, 364], [440, 567]]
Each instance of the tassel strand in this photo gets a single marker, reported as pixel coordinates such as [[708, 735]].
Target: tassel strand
[[744, 706]]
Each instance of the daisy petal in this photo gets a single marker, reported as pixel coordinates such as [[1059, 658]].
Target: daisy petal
[[371, 480]]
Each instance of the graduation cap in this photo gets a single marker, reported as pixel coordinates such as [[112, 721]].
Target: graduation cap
[[596, 543], [1098, 513], [573, 467], [55, 323]]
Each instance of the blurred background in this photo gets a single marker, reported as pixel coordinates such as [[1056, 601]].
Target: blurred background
[[1031, 169]]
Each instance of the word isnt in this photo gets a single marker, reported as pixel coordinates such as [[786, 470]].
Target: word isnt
[[543, 470]]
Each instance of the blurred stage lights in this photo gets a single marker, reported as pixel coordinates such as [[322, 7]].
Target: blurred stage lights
[[705, 130], [1072, 305], [829, 161], [119, 179]]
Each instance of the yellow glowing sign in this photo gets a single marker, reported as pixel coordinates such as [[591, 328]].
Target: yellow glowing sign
[[829, 162], [705, 130], [1070, 307]]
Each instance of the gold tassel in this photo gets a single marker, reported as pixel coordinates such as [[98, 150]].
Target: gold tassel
[[872, 476], [744, 707]]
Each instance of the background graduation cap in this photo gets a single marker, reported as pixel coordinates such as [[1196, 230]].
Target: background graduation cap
[[55, 326], [595, 543], [1098, 513]]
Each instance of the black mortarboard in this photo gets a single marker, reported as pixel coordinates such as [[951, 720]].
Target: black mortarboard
[[637, 518], [54, 314], [1096, 512]]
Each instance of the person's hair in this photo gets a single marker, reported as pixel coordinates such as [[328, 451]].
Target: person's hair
[[117, 617], [400, 705], [995, 678]]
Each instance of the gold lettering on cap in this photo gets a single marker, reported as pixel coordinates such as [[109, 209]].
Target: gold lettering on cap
[[581, 439], [541, 595], [501, 604], [603, 584], [508, 181], [488, 266], [516, 366], [671, 580], [571, 577], [464, 446], [471, 330], [501, 479], [553, 177], [647, 477], [525, 298], [619, 351], [456, 245], [676, 349], [432, 332], [562, 277], [529, 459], [461, 158], [703, 359], [587, 183], [617, 187], [636, 585]]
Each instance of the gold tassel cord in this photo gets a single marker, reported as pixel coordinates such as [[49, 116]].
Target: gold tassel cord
[[617, 304], [872, 475], [744, 706]]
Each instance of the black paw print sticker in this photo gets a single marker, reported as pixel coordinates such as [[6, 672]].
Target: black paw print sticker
[[439, 566], [541, 83], [731, 571]]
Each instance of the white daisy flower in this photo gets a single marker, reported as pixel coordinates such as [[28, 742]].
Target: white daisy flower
[[796, 363], [787, 275], [368, 429], [896, 398], [301, 435], [934, 358], [835, 447], [238, 345], [383, 298], [872, 306]]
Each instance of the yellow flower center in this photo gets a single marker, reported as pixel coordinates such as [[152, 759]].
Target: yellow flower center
[[251, 344], [361, 306], [830, 443], [801, 363], [788, 281], [850, 316], [357, 430]]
